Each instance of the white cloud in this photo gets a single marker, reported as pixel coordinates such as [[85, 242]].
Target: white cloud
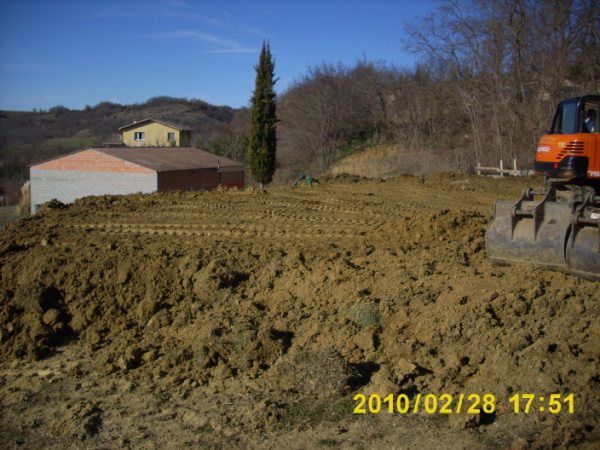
[[184, 12], [230, 46], [193, 34]]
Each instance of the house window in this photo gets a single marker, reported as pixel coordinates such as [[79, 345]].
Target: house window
[[171, 137], [139, 135]]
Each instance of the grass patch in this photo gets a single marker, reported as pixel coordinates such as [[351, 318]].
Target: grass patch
[[73, 143], [327, 442], [9, 214], [222, 295], [206, 429], [364, 315], [240, 342], [312, 412]]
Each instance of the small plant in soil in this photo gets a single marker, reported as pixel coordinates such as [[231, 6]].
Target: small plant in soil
[[364, 315]]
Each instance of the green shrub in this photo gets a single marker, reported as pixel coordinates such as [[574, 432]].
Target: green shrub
[[364, 315]]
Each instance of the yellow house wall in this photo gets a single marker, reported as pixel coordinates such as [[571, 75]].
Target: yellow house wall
[[156, 135]]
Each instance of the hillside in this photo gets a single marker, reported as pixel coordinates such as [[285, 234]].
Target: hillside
[[26, 137], [386, 160], [104, 119]]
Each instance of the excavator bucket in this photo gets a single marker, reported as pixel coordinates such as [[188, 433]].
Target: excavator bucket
[[583, 248], [556, 231]]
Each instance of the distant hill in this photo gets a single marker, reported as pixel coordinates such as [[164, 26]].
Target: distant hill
[[28, 137], [104, 119]]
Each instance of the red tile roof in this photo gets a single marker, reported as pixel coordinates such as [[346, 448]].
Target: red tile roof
[[166, 159], [163, 159]]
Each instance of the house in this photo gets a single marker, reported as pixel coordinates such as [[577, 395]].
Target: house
[[124, 170], [155, 133]]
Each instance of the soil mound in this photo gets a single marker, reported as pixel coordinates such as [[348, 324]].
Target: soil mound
[[298, 295]]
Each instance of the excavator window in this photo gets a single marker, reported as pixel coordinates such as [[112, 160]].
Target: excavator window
[[591, 110], [575, 116], [565, 120]]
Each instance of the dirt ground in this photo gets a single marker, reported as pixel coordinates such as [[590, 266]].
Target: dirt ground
[[246, 319]]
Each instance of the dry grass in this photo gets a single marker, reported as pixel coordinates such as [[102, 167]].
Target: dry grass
[[24, 206], [373, 162], [388, 160], [8, 214], [364, 315]]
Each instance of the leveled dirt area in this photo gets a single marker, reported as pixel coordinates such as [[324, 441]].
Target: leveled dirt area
[[250, 319]]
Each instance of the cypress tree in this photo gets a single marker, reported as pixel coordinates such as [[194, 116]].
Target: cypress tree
[[262, 140]]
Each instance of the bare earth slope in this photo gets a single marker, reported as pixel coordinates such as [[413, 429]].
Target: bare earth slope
[[250, 319]]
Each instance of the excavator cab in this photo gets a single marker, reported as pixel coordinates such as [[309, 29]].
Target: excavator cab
[[570, 150], [558, 227]]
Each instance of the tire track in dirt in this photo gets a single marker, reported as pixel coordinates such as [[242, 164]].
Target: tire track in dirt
[[266, 214], [207, 230]]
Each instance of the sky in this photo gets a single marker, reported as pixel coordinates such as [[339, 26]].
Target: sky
[[79, 52]]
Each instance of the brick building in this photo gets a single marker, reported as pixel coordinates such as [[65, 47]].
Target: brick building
[[101, 171]]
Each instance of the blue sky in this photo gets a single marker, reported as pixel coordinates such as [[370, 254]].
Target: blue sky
[[82, 52]]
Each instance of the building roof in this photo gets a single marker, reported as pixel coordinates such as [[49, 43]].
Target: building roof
[[150, 119], [167, 159], [163, 159]]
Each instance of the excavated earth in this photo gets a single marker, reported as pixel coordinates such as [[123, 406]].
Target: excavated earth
[[249, 319]]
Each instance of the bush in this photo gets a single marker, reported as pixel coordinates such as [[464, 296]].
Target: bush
[[24, 206], [58, 109], [364, 315]]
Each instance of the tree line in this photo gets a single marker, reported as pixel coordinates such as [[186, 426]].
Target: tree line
[[489, 76]]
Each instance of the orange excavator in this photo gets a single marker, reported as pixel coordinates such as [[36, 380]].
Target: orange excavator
[[558, 227]]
